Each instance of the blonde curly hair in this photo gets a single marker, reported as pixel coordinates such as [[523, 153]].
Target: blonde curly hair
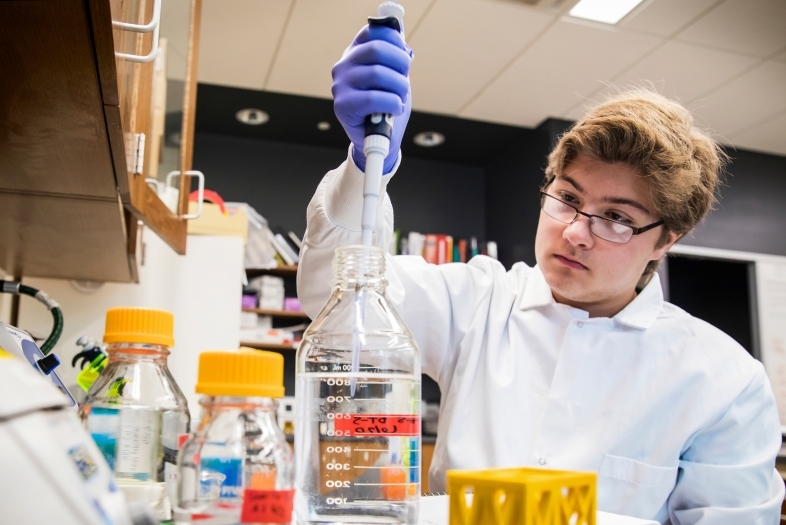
[[659, 139]]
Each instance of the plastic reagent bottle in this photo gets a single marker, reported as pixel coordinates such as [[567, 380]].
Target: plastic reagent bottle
[[135, 411], [358, 456], [237, 466]]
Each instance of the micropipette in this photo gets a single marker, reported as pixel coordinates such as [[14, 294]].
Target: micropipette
[[376, 146]]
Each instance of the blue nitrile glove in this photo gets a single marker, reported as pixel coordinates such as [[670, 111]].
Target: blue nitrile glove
[[373, 77]]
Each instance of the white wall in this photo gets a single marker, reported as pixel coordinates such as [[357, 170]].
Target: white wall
[[202, 289]]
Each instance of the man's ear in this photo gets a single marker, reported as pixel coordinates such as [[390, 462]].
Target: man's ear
[[661, 250]]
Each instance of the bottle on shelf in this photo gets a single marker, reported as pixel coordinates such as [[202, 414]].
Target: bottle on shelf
[[135, 411], [237, 466]]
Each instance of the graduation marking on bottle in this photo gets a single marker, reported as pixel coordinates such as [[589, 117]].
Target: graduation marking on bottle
[[388, 466]]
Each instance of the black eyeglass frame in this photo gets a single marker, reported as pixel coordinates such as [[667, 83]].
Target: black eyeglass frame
[[636, 231]]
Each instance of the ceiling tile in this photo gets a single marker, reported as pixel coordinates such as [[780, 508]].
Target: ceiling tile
[[450, 67], [581, 109], [317, 34], [239, 39], [663, 17], [769, 136], [744, 101], [568, 62], [754, 27], [684, 71]]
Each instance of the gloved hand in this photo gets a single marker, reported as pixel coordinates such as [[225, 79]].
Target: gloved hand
[[373, 77]]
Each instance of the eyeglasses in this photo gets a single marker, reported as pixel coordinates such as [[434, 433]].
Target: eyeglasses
[[606, 229]]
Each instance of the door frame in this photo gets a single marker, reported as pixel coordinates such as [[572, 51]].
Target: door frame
[[768, 310]]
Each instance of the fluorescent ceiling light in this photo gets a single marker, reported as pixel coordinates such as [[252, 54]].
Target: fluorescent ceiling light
[[606, 11]]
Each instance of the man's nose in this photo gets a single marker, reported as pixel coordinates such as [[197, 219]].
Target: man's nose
[[578, 232]]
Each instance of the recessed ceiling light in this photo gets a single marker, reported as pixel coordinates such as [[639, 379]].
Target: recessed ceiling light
[[323, 126], [429, 139], [606, 11], [252, 116]]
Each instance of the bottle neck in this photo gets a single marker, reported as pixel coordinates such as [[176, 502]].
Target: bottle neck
[[357, 268], [125, 352], [221, 404]]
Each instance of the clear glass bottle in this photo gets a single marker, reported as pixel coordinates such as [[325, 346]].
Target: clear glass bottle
[[237, 466], [135, 411], [357, 438]]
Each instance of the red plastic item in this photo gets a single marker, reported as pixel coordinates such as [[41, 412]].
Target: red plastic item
[[267, 506], [209, 196]]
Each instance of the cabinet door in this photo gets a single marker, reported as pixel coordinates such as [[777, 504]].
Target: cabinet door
[[128, 90], [59, 207]]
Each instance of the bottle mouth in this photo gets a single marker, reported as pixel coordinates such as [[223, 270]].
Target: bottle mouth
[[358, 265]]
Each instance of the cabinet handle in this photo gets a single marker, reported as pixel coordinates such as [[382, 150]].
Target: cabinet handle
[[200, 189], [137, 28]]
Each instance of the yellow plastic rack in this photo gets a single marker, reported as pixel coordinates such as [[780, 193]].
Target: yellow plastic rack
[[522, 496]]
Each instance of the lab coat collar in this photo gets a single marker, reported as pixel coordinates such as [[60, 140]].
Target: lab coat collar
[[640, 313], [537, 291]]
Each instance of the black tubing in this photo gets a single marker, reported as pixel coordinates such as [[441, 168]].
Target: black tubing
[[57, 314], [57, 331]]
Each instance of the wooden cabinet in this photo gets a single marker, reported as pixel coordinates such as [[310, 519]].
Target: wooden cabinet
[[70, 196]]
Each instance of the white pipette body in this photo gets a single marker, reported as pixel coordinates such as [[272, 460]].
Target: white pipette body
[[376, 147]]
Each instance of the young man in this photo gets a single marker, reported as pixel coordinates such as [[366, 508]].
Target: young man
[[568, 365]]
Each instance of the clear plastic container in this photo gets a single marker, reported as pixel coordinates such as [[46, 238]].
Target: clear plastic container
[[135, 411], [357, 438], [237, 467]]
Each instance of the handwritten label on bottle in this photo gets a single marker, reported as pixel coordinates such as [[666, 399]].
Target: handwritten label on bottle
[[377, 424], [267, 506]]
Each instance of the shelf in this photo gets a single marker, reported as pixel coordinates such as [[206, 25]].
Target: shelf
[[267, 346], [278, 313], [279, 271]]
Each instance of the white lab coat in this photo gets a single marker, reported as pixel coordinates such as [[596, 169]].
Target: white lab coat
[[676, 418]]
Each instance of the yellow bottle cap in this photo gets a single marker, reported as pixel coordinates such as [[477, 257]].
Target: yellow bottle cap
[[139, 325], [245, 372]]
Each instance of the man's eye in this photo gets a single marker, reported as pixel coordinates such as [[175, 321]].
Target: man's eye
[[619, 218], [567, 197]]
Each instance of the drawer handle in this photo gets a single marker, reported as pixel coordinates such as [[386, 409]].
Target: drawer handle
[[153, 26]]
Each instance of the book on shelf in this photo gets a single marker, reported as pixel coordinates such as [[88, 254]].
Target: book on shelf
[[438, 248], [284, 250], [298, 242], [395, 243], [289, 240]]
